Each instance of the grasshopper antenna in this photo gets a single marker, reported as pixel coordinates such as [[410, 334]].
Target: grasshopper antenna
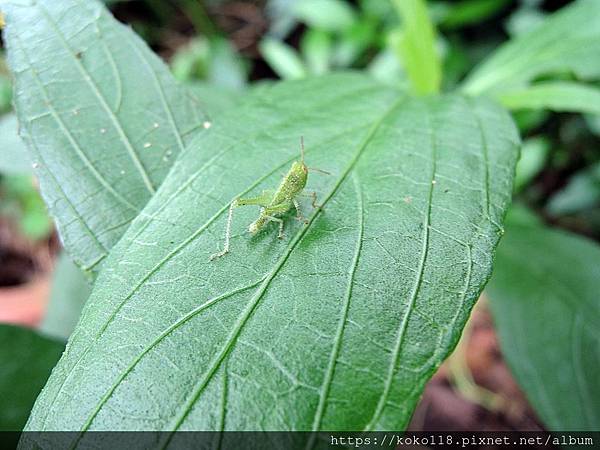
[[313, 169]]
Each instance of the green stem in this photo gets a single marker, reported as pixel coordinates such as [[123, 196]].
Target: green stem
[[196, 12], [462, 380]]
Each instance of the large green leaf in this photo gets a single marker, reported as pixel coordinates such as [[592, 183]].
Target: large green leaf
[[566, 42], [101, 114], [544, 297], [26, 360], [337, 326]]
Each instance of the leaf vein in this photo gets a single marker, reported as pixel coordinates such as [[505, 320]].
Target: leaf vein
[[265, 284], [161, 92], [74, 143], [486, 164], [342, 322], [190, 315], [413, 296], [114, 68], [111, 115], [163, 261]]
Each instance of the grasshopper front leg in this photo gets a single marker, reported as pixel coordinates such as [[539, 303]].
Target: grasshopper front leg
[[299, 215], [312, 195]]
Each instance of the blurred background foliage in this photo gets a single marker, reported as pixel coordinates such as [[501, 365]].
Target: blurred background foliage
[[224, 48]]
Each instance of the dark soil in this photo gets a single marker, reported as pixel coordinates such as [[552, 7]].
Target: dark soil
[[21, 260]]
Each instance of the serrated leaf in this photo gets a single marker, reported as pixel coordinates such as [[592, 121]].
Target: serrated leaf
[[546, 311], [566, 41], [26, 359], [337, 326], [101, 114]]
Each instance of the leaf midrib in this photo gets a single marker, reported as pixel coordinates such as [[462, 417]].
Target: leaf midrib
[[188, 316], [265, 284], [180, 247], [337, 343], [414, 292], [252, 304], [74, 144], [91, 83], [247, 139]]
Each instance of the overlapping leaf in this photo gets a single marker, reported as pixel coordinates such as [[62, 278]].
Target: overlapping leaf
[[101, 114]]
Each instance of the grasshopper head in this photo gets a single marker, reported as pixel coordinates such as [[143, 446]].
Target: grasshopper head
[[299, 175]]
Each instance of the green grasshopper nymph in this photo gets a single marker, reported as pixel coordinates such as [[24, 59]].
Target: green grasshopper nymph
[[275, 203]]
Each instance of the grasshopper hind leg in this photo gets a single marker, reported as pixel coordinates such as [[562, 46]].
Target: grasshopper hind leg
[[227, 233], [262, 200]]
